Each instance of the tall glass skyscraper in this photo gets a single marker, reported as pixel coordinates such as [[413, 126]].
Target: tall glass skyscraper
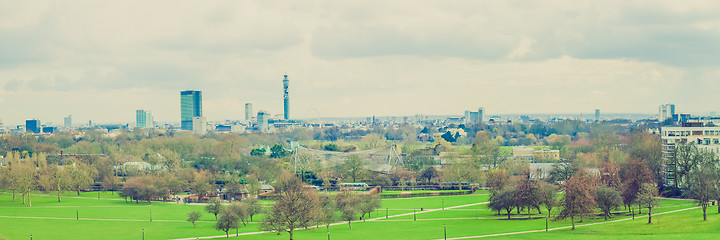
[[144, 119], [248, 112], [68, 122], [190, 106], [33, 125]]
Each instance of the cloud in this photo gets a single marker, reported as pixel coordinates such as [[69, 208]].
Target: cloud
[[523, 48], [56, 83], [357, 58], [370, 41]]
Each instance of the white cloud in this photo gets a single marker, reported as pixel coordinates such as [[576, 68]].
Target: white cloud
[[523, 48]]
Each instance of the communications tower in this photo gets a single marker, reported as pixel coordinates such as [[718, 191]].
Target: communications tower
[[286, 97]]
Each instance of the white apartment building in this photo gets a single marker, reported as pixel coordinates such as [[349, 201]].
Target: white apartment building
[[705, 139]]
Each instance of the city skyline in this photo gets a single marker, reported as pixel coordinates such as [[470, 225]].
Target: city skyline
[[99, 63]]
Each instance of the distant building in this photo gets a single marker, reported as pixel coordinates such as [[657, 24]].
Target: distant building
[[540, 171], [67, 122], [523, 153], [546, 155], [262, 121], [199, 125], [704, 138], [597, 115], [190, 107], [474, 117], [666, 111], [706, 121], [33, 125], [49, 129], [480, 114], [144, 119], [532, 155], [249, 111], [229, 128]]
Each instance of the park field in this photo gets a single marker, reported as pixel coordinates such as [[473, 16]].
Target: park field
[[459, 216]]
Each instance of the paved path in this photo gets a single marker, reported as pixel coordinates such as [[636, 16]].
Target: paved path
[[340, 223], [566, 227]]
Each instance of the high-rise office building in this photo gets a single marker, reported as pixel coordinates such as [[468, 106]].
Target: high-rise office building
[[480, 114], [199, 125], [144, 119], [666, 111], [33, 125], [248, 112], [286, 97], [67, 122], [597, 115], [262, 121], [474, 117], [190, 106]]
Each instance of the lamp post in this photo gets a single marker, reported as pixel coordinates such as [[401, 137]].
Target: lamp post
[[386, 212], [143, 233], [445, 231], [77, 214], [414, 217], [151, 215]]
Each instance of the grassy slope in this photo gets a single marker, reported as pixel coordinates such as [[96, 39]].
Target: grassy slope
[[135, 217], [682, 225]]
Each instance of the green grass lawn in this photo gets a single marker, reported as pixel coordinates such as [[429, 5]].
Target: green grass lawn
[[419, 191], [112, 218]]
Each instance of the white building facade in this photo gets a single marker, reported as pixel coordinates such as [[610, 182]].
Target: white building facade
[[704, 138]]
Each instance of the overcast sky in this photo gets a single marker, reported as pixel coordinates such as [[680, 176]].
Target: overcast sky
[[102, 60]]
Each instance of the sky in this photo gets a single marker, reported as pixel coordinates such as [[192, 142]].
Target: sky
[[102, 60]]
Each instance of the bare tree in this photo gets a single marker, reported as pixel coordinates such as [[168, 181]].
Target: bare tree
[[353, 166], [296, 206], [368, 204], [193, 217], [26, 176], [214, 207], [227, 221], [646, 197], [503, 200], [326, 215], [240, 210], [82, 176], [548, 196], [637, 172], [253, 206], [56, 178], [347, 203], [608, 198], [528, 195], [578, 200], [497, 179], [702, 181]]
